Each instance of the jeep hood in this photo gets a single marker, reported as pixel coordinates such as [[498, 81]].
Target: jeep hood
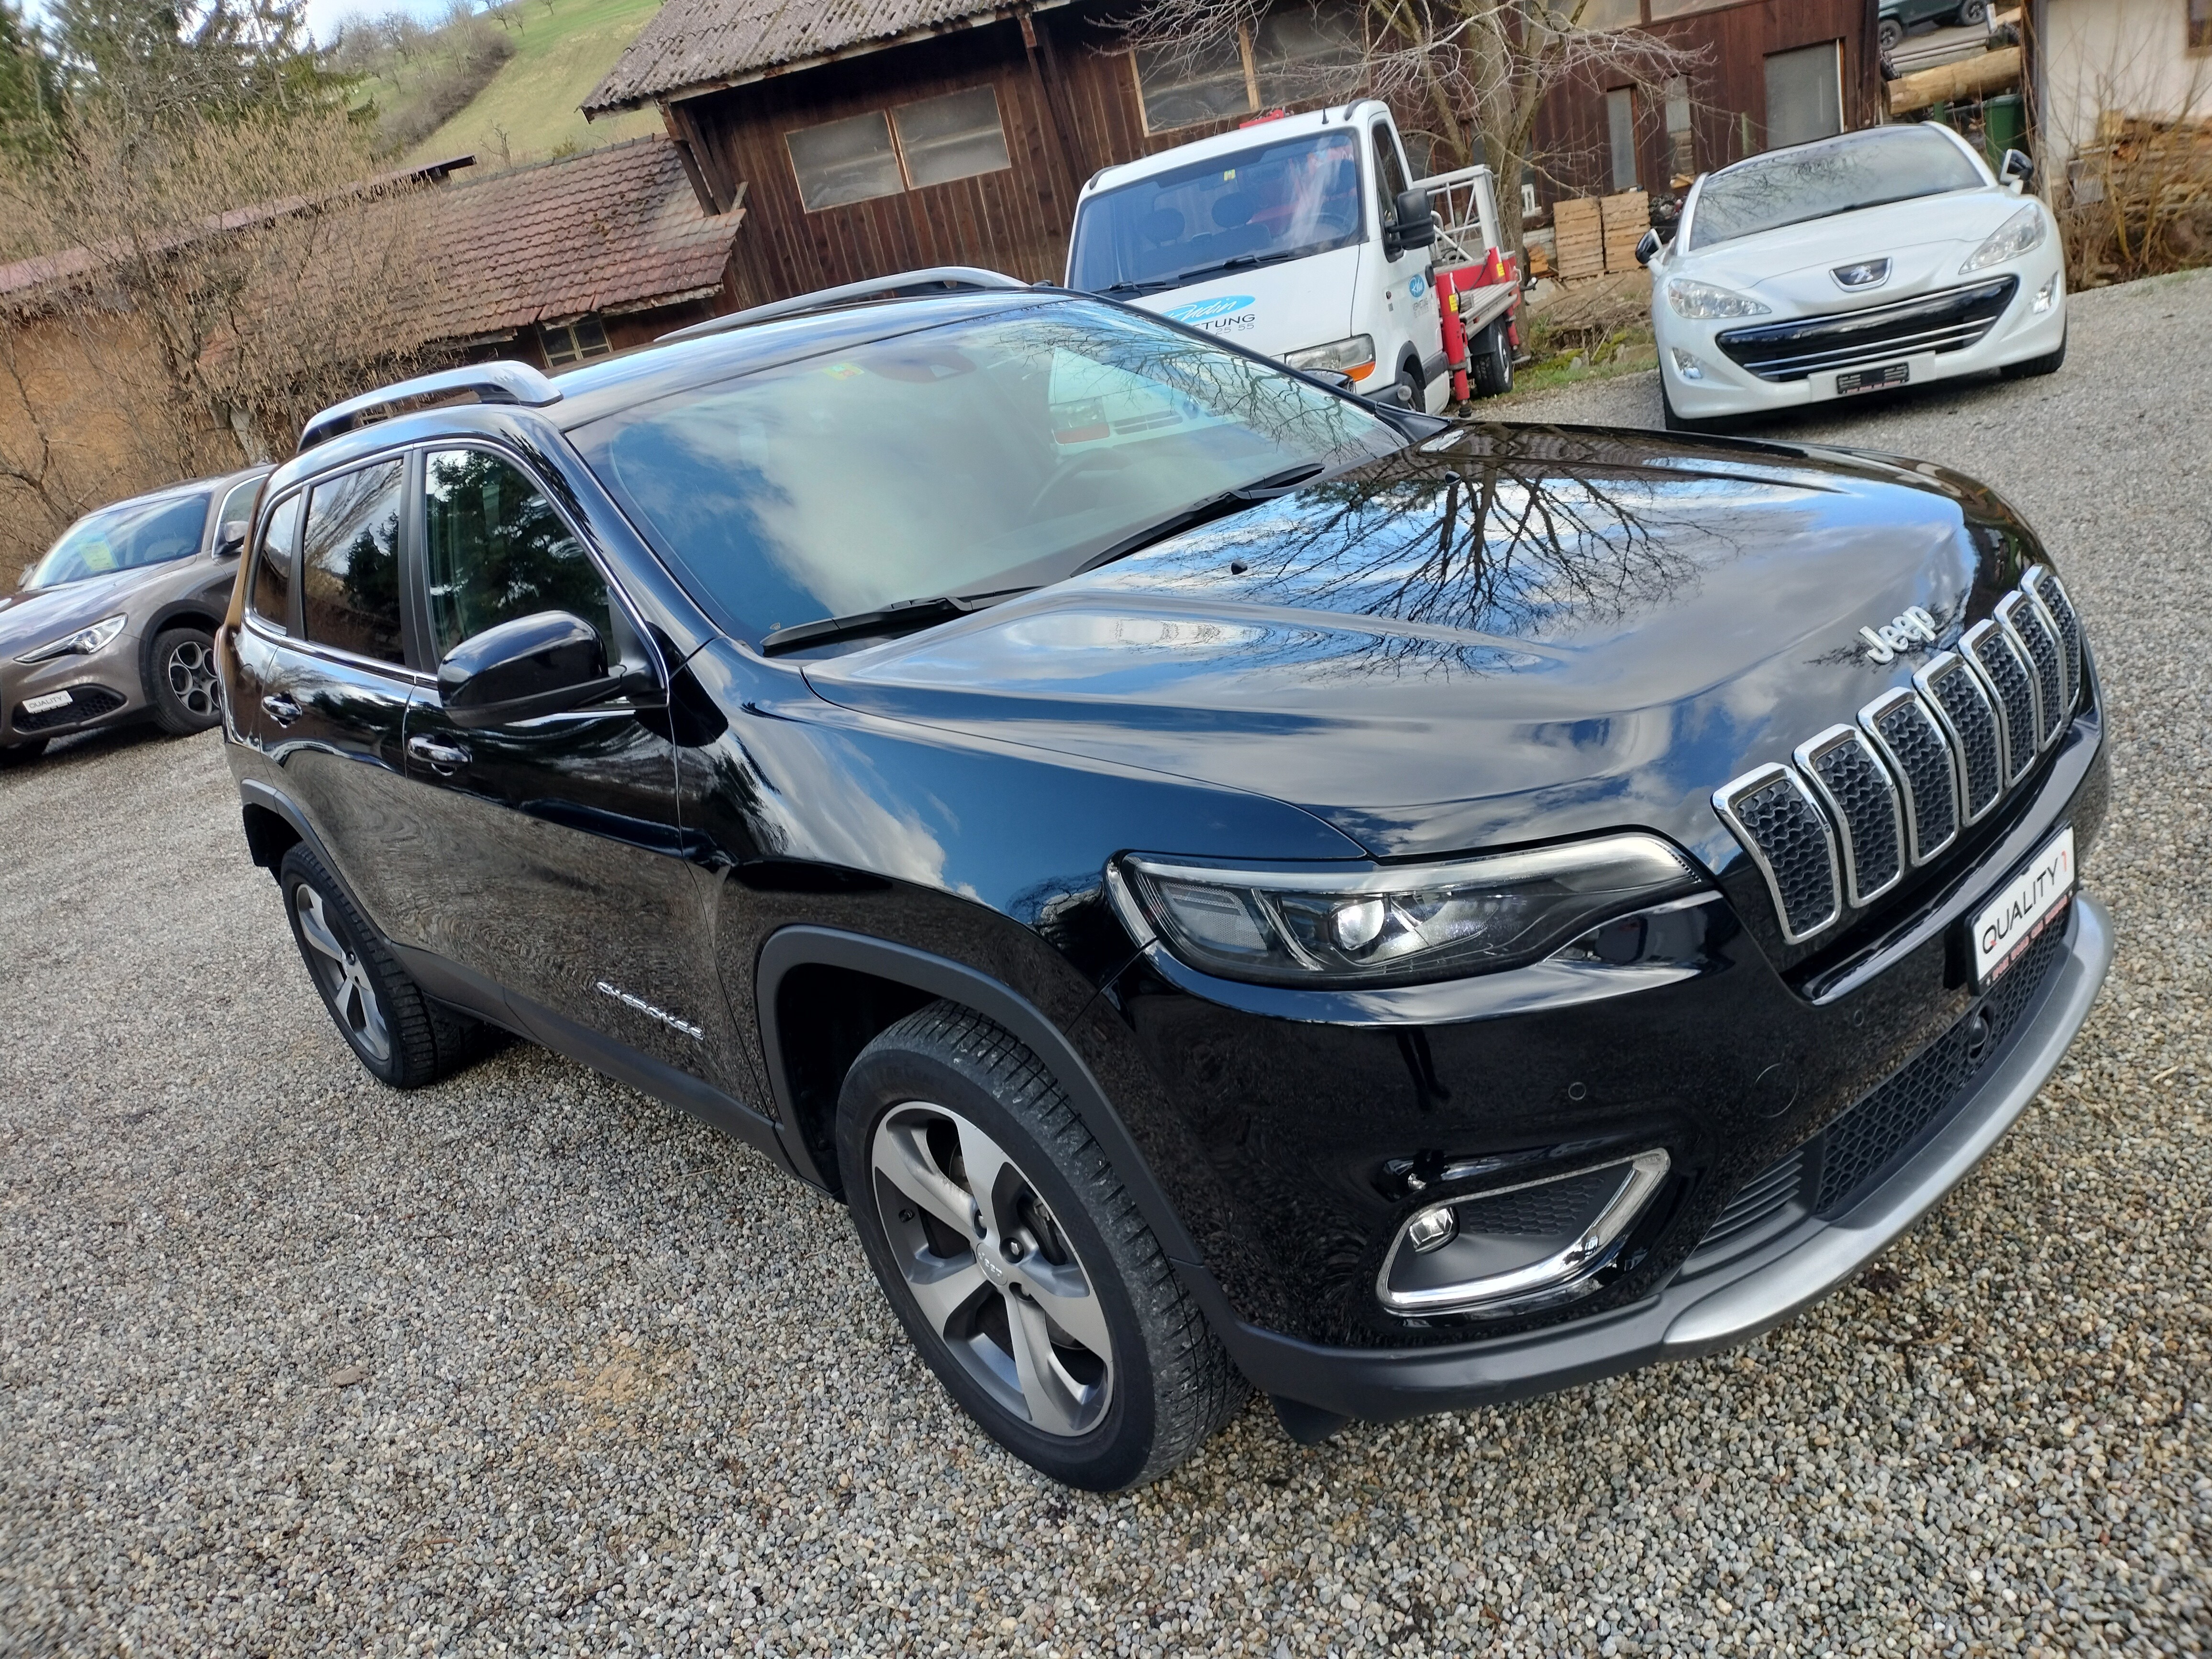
[[1503, 634]]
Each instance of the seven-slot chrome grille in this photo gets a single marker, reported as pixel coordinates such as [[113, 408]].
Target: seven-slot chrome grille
[[1864, 803]]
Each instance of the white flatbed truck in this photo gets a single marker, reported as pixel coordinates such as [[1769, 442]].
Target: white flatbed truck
[[1299, 236]]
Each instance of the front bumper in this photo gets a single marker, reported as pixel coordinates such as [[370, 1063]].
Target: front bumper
[[1725, 387], [105, 688], [1697, 1312]]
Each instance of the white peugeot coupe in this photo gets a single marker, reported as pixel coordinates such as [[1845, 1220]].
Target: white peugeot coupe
[[1884, 258]]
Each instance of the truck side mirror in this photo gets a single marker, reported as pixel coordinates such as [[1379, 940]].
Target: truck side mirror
[[1648, 246], [1416, 225], [2015, 166]]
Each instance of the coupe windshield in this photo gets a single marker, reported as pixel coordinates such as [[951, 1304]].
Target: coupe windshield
[[1278, 201], [969, 459], [1834, 175], [123, 539]]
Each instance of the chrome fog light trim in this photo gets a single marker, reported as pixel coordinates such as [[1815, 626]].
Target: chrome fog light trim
[[1563, 1274]]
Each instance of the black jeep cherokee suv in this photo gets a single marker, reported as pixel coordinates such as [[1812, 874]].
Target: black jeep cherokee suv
[[1229, 885]]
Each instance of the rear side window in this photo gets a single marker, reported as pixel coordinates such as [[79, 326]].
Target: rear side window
[[273, 565], [350, 563], [496, 549]]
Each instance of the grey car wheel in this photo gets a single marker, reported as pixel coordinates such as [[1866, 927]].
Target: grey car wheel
[[991, 1268], [185, 693]]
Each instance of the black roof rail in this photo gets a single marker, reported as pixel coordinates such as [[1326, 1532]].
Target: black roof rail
[[937, 279], [490, 383]]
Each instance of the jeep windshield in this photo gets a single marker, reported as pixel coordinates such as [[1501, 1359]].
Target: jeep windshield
[[972, 459], [1833, 175], [125, 538], [1274, 202]]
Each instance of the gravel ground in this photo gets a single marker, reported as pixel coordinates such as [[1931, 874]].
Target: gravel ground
[[290, 1363]]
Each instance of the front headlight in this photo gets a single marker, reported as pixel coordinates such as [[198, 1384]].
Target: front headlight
[[1354, 356], [82, 643], [1317, 925], [2015, 237], [1702, 302]]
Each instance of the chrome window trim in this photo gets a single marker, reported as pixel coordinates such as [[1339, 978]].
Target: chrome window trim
[[1729, 795], [2015, 603], [1810, 751], [1970, 645], [1563, 1274], [331, 653], [1870, 717], [1949, 662]]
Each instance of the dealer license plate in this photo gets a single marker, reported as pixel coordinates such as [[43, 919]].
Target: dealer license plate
[[47, 704], [1872, 379], [2015, 918]]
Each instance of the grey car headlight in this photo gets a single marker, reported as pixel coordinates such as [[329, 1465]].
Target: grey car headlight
[[1320, 925], [1704, 302], [1354, 356], [2015, 237], [82, 643]]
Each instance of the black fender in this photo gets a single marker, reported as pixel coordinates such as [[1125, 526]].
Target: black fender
[[804, 945]]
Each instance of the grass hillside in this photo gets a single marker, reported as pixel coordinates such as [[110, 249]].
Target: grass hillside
[[527, 111]]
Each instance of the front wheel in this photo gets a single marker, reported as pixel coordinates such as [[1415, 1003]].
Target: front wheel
[[1974, 13], [1491, 366], [183, 691], [1018, 1261], [1890, 34], [2048, 363]]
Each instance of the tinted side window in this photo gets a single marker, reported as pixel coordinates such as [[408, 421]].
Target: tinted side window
[[272, 566], [349, 568], [496, 549]]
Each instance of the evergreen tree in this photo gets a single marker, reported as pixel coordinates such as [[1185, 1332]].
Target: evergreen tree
[[29, 84], [157, 60]]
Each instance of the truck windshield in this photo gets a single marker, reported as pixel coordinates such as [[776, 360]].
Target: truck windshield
[[123, 539], [969, 459], [1278, 201], [1834, 175]]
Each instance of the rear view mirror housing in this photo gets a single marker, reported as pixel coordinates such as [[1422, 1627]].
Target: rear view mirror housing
[[1648, 246], [2017, 167], [1416, 225], [230, 540], [537, 665]]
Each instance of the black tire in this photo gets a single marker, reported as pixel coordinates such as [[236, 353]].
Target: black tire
[[1973, 12], [1676, 422], [180, 681], [1490, 364], [946, 1078], [2047, 364], [22, 754], [1889, 34], [402, 1036]]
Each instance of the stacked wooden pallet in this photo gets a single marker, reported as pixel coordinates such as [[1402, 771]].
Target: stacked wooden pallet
[[1579, 229], [1627, 217]]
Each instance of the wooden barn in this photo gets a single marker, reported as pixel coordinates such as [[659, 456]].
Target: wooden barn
[[862, 138]]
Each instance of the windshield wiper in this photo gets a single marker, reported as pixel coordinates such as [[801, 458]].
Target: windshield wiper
[[1204, 512], [904, 617]]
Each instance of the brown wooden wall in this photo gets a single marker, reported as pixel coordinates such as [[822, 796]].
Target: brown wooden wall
[[1015, 221], [1727, 86]]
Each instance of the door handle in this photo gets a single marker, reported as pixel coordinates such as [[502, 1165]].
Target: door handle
[[280, 708], [437, 752]]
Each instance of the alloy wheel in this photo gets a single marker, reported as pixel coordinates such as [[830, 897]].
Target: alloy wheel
[[191, 671], [342, 975], [991, 1270]]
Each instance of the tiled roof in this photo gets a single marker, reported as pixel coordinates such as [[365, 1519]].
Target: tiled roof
[[691, 45], [612, 229]]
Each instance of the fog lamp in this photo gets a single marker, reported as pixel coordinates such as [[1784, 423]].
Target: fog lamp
[[1686, 364], [1433, 1229]]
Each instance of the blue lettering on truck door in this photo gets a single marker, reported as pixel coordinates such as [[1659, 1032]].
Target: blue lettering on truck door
[[1225, 314]]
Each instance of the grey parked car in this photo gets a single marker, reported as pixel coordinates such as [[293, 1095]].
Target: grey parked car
[[117, 622]]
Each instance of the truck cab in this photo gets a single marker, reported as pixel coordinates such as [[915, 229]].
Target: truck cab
[[1302, 237]]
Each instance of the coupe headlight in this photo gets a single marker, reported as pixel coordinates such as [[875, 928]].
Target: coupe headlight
[[1354, 356], [2015, 237], [82, 643], [1702, 302], [1317, 925]]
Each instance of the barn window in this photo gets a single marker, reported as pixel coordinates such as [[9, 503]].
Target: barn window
[[955, 136], [1681, 142], [1297, 54], [2200, 25], [1620, 136], [1804, 94], [848, 160], [572, 342]]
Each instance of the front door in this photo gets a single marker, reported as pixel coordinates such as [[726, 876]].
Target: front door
[[553, 860], [323, 668]]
